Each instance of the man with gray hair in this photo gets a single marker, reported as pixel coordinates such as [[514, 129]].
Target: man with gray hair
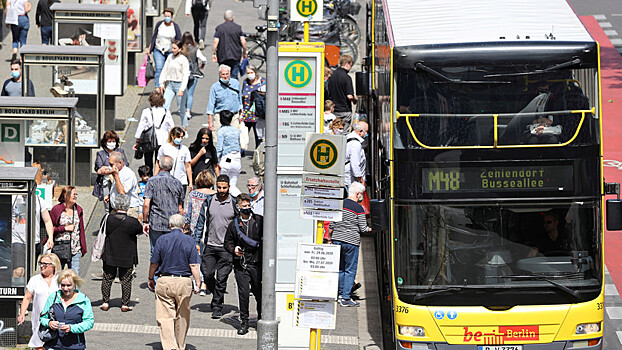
[[223, 95], [255, 190], [356, 162], [229, 44], [175, 261], [124, 183], [164, 197], [347, 234]]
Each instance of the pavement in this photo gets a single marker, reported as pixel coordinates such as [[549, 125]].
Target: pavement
[[356, 327]]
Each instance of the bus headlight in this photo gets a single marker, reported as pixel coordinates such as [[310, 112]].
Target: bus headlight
[[412, 331], [588, 328]]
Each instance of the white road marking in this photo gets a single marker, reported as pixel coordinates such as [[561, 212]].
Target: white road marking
[[611, 32], [610, 289], [605, 24], [599, 17], [614, 312], [616, 42]]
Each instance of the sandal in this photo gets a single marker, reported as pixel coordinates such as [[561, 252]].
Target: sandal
[[104, 306], [126, 308]]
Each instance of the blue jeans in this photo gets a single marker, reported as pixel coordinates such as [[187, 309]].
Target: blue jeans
[[235, 68], [153, 237], [172, 88], [159, 58], [348, 262], [188, 97], [20, 31], [46, 35], [75, 263]]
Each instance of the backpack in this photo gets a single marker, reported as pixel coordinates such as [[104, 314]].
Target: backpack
[[259, 100], [199, 3]]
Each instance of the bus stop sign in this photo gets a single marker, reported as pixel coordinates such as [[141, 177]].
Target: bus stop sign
[[306, 10], [325, 154]]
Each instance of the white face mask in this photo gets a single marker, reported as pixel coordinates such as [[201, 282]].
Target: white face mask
[[111, 145], [250, 76]]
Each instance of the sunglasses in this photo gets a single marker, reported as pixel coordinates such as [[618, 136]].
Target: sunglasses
[[43, 264]]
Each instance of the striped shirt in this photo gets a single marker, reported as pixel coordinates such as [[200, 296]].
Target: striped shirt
[[352, 223]]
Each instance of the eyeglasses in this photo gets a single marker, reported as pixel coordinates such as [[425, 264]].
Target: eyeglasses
[[251, 186], [44, 264]]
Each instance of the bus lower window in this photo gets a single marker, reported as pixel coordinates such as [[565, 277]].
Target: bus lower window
[[479, 251]]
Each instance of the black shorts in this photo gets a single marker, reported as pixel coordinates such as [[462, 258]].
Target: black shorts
[[19, 255]]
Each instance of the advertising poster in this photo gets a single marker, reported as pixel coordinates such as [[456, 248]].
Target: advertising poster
[[12, 149], [6, 256], [134, 21]]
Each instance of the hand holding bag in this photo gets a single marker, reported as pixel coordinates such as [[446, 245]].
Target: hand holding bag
[[46, 333], [100, 240]]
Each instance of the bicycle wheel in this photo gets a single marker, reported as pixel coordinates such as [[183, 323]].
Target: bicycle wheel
[[348, 47], [350, 29], [256, 53]]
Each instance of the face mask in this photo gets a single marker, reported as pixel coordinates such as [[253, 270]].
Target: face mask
[[338, 131], [245, 211], [167, 19], [254, 194], [361, 199], [224, 81], [111, 145], [251, 76], [15, 74], [365, 137], [177, 141]]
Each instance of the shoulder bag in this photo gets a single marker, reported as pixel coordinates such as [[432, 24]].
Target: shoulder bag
[[46, 333], [149, 70], [63, 248], [148, 138], [100, 240]]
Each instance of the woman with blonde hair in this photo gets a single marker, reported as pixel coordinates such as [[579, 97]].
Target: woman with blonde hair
[[39, 287], [182, 169], [73, 314]]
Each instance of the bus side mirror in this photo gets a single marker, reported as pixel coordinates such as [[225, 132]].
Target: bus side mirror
[[362, 83], [614, 215], [379, 214]]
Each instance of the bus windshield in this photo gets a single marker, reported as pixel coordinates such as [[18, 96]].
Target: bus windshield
[[497, 254], [455, 105]]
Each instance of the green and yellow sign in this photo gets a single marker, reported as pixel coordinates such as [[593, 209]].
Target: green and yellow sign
[[323, 154], [298, 74], [306, 8]]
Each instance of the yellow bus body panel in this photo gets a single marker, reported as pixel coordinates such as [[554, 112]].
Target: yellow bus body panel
[[518, 325]]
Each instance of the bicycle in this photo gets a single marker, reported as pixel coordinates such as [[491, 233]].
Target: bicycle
[[256, 47]]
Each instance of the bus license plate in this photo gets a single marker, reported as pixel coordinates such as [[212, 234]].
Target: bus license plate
[[501, 347]]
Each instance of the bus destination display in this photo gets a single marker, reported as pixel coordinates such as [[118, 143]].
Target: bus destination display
[[497, 178]]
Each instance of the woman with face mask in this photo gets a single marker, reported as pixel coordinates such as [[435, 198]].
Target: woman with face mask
[[253, 82], [109, 143], [182, 169], [174, 81], [164, 33]]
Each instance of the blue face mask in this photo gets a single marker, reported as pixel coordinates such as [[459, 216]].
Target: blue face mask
[[224, 81], [365, 137], [177, 141], [167, 19], [254, 194], [245, 211], [15, 74]]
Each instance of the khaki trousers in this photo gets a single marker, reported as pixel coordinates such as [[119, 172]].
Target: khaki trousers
[[133, 212], [172, 296], [235, 122]]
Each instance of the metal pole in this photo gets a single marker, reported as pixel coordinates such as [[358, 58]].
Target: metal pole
[[268, 326]]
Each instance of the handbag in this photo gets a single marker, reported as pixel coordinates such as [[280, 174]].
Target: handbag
[[244, 139], [365, 203], [149, 70], [148, 138], [63, 250], [46, 333], [141, 78], [100, 240], [138, 154]]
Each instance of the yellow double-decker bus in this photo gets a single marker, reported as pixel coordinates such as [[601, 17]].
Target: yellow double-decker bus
[[486, 160]]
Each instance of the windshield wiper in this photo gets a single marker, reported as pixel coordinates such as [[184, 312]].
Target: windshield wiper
[[575, 293], [447, 79], [570, 63], [437, 291]]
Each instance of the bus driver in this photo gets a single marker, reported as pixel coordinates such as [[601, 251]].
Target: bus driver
[[553, 241]]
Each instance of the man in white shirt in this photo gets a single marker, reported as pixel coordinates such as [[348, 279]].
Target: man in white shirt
[[124, 182], [355, 157]]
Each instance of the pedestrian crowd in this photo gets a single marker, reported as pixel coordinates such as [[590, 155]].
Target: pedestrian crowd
[[201, 225]]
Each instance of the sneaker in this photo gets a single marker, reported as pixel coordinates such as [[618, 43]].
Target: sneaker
[[188, 115], [216, 314], [201, 44], [347, 303], [243, 328], [98, 275], [355, 287], [202, 292]]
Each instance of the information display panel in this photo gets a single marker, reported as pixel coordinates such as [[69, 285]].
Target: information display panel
[[64, 72], [135, 20], [97, 25]]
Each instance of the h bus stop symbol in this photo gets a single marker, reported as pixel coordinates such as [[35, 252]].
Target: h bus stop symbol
[[306, 8], [298, 73], [323, 154]]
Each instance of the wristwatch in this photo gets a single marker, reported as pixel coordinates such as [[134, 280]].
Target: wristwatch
[[151, 279]]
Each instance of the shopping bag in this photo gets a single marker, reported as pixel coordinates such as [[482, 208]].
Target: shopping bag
[[141, 78], [244, 139], [11, 14], [100, 240], [365, 203]]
